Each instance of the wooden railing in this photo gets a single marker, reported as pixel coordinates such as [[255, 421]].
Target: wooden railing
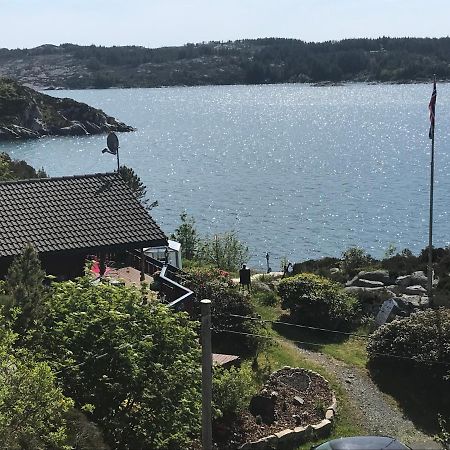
[[177, 296]]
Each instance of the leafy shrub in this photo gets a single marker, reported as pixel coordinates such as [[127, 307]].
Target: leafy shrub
[[410, 360], [423, 336], [224, 251], [232, 389], [402, 264], [226, 300], [186, 234], [138, 366], [317, 301], [353, 259], [32, 407], [269, 298], [316, 265]]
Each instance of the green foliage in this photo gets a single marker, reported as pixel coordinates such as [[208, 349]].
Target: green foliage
[[13, 169], [138, 366], [32, 408], [186, 234], [224, 251], [410, 360], [354, 258], [254, 61], [423, 336], [401, 263], [232, 389], [267, 298], [136, 185], [24, 286], [317, 301], [227, 300]]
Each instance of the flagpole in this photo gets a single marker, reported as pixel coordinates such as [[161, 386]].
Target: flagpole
[[430, 228], [430, 233]]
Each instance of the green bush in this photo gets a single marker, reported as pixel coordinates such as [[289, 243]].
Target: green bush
[[32, 406], [317, 301], [402, 263], [266, 298], [423, 336], [354, 259], [138, 366], [226, 300], [232, 389], [224, 251], [410, 360]]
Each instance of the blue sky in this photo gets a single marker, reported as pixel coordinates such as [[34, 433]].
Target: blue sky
[[155, 23]]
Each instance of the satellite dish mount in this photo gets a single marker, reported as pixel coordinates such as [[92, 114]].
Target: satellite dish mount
[[112, 143]]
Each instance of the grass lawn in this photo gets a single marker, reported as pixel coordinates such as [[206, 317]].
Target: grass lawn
[[281, 353], [351, 350], [348, 421]]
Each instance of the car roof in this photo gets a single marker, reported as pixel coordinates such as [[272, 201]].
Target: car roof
[[367, 443]]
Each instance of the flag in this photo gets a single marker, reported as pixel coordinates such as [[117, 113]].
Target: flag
[[432, 108]]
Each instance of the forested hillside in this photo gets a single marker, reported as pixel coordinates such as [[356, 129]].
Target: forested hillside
[[257, 61]]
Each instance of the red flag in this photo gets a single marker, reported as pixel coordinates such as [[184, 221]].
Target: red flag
[[432, 108]]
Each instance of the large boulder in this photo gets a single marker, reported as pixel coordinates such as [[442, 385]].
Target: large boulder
[[361, 282], [376, 275], [416, 278], [415, 290]]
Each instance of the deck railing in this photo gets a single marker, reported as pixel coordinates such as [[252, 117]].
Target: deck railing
[[177, 296]]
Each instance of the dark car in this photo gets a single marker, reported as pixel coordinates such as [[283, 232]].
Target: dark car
[[363, 443]]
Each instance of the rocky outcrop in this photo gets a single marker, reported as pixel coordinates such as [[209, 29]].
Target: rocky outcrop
[[376, 288], [27, 114]]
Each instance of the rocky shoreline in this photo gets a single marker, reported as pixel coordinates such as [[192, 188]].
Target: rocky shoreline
[[28, 114]]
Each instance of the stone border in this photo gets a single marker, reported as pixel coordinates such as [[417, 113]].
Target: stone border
[[289, 438]]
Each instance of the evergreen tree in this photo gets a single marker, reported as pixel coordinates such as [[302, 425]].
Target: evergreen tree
[[186, 235], [24, 285], [136, 185]]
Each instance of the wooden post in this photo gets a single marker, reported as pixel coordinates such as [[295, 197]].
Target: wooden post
[[206, 375], [142, 278], [102, 264]]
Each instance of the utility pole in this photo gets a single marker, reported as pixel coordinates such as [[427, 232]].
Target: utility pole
[[206, 375]]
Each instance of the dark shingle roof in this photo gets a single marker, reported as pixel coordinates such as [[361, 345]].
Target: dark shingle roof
[[73, 213]]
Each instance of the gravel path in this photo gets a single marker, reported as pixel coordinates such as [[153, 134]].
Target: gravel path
[[379, 414]]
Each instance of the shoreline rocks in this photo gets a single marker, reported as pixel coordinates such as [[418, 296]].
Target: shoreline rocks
[[28, 114]]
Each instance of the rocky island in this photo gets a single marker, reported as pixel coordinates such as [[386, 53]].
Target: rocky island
[[26, 113]]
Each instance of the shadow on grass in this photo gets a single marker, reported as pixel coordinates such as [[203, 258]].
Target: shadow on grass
[[420, 391], [313, 340]]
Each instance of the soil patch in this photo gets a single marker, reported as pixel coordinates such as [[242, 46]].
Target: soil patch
[[290, 398]]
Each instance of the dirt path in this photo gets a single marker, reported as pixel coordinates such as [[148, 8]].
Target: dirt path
[[378, 412]]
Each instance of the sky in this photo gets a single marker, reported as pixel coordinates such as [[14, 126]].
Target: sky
[[157, 23]]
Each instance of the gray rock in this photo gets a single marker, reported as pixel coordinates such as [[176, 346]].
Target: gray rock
[[298, 400], [378, 293], [361, 282], [415, 290], [416, 278], [376, 275]]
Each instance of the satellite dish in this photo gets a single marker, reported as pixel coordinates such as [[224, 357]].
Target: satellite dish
[[112, 143]]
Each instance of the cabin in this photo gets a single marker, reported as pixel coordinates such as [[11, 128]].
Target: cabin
[[70, 219]]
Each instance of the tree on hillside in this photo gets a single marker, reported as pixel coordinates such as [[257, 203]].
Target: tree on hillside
[[225, 251], [24, 286], [186, 234], [13, 169], [137, 186], [136, 366], [32, 408]]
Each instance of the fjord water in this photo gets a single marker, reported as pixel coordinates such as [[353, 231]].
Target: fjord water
[[298, 171]]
